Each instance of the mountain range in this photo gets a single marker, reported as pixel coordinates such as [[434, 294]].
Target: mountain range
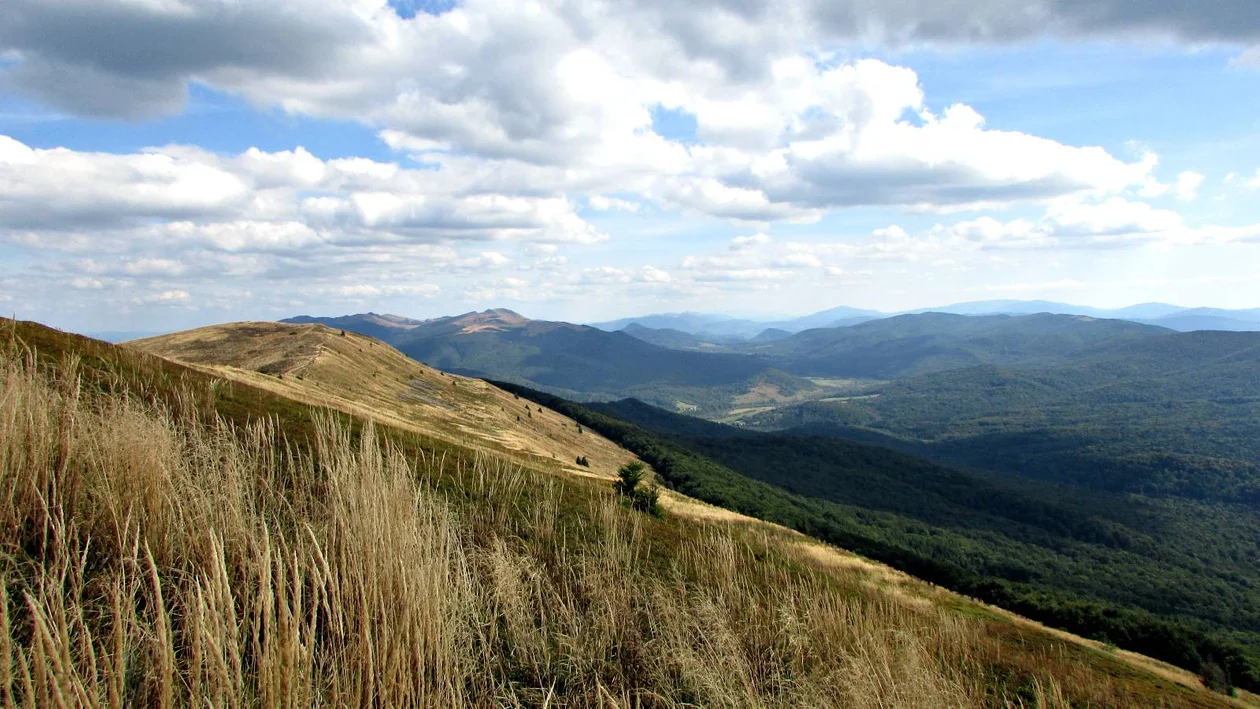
[[720, 329], [578, 361], [678, 370]]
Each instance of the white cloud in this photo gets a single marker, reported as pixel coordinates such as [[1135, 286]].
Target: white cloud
[[1249, 59], [167, 297], [552, 97], [60, 189], [509, 76], [747, 242], [1066, 224], [254, 202], [178, 219], [485, 260], [87, 283], [600, 203], [651, 274], [1113, 217], [1188, 184], [368, 291]]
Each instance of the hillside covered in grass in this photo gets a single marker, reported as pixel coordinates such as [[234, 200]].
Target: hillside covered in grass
[[173, 538]]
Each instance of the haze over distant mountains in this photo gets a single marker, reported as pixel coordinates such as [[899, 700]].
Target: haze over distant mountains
[[719, 328]]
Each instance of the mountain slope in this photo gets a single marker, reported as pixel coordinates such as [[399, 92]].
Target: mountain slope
[[730, 329], [1049, 551], [486, 582], [1158, 435], [1174, 415], [382, 327], [940, 525], [665, 337], [565, 356], [317, 365], [588, 363], [915, 344]]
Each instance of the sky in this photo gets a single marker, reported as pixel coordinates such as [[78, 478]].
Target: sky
[[172, 163]]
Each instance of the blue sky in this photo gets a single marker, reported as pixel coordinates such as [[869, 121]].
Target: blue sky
[[212, 159]]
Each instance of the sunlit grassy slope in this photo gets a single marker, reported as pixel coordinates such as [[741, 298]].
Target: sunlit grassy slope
[[171, 536], [318, 365]]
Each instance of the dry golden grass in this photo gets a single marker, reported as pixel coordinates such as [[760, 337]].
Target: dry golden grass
[[367, 378], [153, 556]]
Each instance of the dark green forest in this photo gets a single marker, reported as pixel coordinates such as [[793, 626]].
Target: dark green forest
[[1166, 578], [910, 345]]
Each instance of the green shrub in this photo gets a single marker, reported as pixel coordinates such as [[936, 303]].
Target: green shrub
[[627, 485]]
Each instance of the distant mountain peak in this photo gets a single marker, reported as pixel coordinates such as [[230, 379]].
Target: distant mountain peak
[[494, 319], [371, 324]]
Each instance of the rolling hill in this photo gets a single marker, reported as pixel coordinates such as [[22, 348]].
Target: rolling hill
[[354, 373], [730, 330], [587, 363], [382, 327], [1156, 434], [666, 337], [272, 551], [673, 369], [1169, 416], [907, 345]]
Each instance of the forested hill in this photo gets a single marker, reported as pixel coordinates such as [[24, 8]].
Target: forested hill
[[1143, 574], [1177, 415], [909, 345]]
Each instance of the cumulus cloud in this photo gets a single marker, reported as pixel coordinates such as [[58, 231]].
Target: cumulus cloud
[[258, 201], [601, 203], [445, 77], [365, 291], [553, 97], [58, 189], [1072, 224], [167, 297], [141, 67], [180, 220], [1113, 217], [1232, 22]]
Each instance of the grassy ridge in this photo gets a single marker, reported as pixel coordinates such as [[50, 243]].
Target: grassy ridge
[[170, 540]]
